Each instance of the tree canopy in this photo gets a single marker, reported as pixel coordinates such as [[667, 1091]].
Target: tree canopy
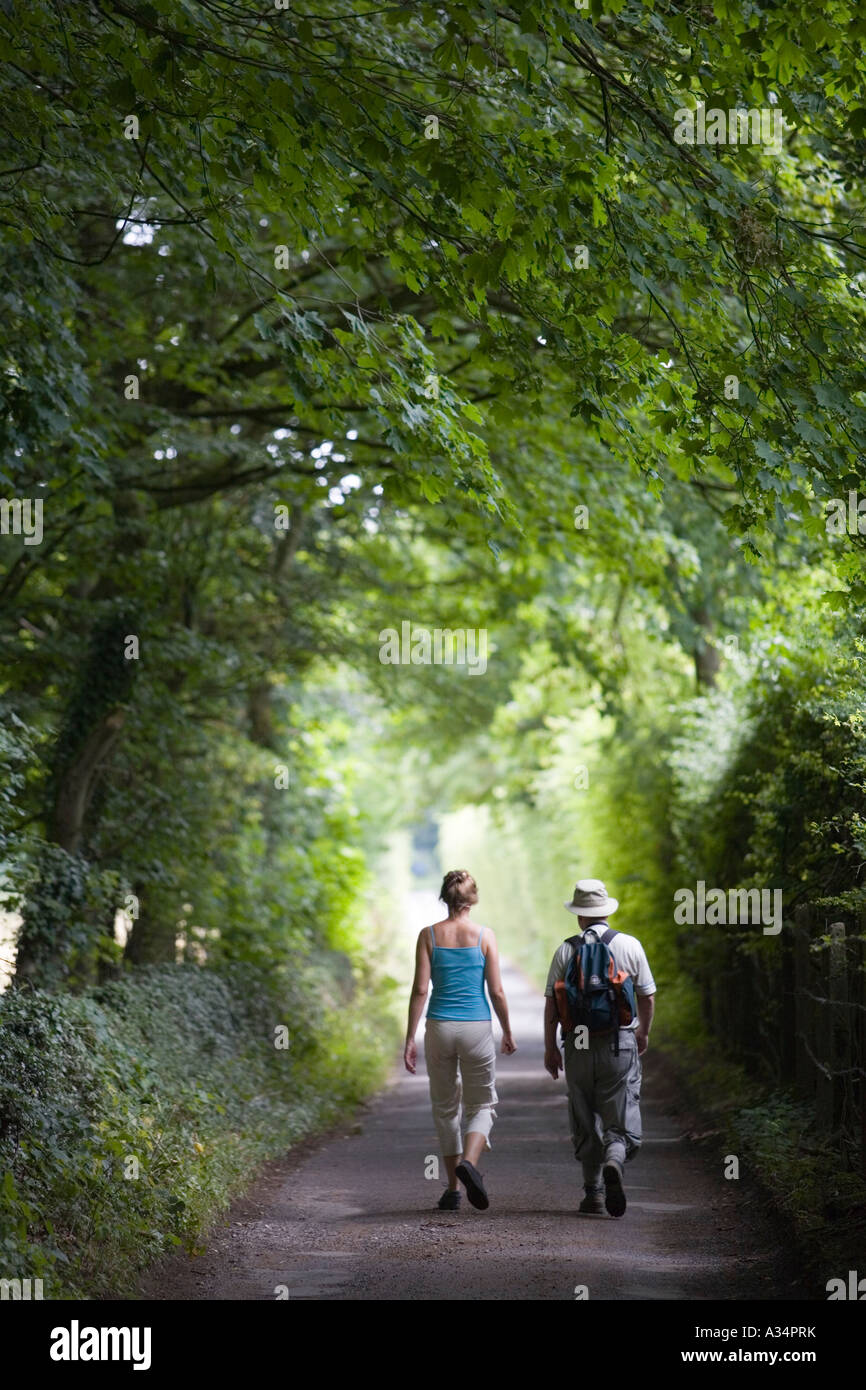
[[316, 321]]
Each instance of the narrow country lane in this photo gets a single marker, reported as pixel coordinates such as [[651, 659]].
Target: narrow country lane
[[353, 1217]]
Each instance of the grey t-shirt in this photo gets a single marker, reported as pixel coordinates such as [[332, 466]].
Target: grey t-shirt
[[628, 955]]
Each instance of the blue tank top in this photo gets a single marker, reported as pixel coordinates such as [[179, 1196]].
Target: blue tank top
[[457, 973]]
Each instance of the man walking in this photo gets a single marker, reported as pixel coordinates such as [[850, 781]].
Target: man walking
[[602, 1064]]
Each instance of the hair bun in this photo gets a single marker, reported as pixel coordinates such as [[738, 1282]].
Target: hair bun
[[458, 890]]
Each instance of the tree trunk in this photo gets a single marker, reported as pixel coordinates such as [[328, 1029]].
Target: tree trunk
[[706, 656], [153, 939], [76, 783]]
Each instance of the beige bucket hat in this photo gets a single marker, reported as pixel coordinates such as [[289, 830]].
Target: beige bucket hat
[[591, 900]]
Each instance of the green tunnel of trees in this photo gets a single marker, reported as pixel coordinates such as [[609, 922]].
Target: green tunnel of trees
[[317, 324]]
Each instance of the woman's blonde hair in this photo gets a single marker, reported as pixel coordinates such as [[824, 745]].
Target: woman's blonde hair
[[458, 890]]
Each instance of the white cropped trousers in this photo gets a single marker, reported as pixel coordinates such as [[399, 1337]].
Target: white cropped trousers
[[461, 1068]]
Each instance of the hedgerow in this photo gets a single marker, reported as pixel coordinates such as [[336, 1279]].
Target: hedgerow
[[130, 1114]]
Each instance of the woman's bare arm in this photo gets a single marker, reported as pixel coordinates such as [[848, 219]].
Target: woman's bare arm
[[417, 1000], [497, 993]]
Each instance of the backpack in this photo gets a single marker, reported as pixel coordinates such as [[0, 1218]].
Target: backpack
[[594, 993]]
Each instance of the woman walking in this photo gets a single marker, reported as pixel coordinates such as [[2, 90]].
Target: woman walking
[[458, 956]]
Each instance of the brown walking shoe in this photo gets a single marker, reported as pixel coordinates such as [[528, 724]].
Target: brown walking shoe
[[593, 1203]]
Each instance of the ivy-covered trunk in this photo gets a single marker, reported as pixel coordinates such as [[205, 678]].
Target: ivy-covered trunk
[[69, 905]]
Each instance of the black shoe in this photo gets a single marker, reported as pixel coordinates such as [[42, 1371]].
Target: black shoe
[[614, 1196], [450, 1200], [593, 1202], [474, 1184]]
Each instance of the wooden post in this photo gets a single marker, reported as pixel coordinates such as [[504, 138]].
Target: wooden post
[[788, 1019], [860, 996], [840, 1019], [804, 1070], [826, 1048]]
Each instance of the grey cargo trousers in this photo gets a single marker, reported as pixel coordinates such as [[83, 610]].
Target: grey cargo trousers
[[603, 1101]]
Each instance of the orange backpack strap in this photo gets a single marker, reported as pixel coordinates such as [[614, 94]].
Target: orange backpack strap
[[562, 1006], [560, 995]]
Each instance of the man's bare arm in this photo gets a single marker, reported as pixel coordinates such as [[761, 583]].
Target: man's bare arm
[[552, 1055], [646, 1007]]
